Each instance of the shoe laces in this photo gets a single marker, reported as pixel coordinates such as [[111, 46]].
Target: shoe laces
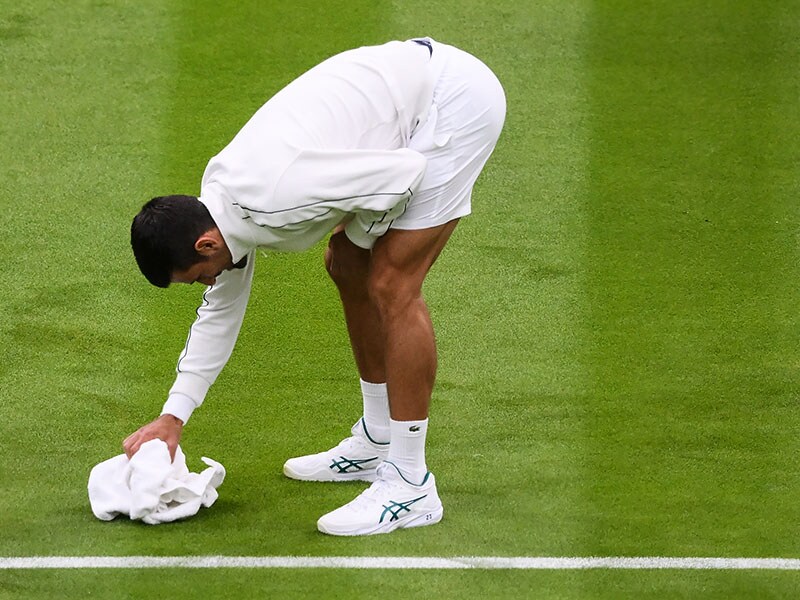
[[346, 444], [376, 493], [355, 443]]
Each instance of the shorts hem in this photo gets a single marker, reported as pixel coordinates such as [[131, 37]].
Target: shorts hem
[[430, 223]]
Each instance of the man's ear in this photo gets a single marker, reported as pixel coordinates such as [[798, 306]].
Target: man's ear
[[209, 243]]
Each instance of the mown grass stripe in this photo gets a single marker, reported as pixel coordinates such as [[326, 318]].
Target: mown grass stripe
[[398, 562]]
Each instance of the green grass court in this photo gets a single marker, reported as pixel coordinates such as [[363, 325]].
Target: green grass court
[[617, 320]]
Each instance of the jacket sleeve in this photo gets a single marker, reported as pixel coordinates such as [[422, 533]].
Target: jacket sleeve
[[211, 339], [373, 185]]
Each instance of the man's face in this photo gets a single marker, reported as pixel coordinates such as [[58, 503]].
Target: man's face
[[206, 271]]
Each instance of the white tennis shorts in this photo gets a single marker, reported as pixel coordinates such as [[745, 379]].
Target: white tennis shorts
[[466, 118]]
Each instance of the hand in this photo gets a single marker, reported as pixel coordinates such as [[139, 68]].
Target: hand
[[167, 428]]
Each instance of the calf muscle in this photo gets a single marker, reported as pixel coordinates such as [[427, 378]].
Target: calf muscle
[[348, 265], [400, 262], [388, 322]]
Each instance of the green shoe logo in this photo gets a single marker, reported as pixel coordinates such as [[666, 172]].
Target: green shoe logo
[[395, 508], [348, 465]]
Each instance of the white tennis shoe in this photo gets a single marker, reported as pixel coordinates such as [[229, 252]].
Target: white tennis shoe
[[388, 504], [354, 458]]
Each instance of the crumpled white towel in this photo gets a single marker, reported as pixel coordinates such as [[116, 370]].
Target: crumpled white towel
[[150, 487]]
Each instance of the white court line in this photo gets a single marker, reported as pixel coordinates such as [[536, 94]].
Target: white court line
[[394, 562]]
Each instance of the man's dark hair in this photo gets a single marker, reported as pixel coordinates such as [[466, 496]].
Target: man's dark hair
[[163, 235]]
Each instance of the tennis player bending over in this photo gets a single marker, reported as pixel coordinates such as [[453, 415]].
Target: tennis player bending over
[[382, 146]]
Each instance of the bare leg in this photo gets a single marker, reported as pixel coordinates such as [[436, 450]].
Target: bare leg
[[400, 261], [395, 272], [348, 266]]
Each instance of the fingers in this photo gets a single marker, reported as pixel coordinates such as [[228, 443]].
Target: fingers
[[127, 445], [132, 443], [166, 428], [173, 447]]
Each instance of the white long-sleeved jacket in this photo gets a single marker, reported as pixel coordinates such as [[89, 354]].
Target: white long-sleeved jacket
[[330, 144]]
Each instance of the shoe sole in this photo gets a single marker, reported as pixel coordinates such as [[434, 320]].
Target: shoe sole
[[329, 476], [428, 518]]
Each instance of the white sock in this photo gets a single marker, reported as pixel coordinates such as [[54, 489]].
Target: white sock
[[407, 450], [376, 412]]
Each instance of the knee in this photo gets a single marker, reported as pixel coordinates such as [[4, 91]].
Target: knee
[[391, 292], [337, 268], [329, 263], [347, 267]]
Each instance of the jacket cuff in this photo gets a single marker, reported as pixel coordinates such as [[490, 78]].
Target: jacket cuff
[[179, 406], [187, 393]]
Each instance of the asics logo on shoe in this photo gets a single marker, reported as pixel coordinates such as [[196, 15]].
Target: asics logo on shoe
[[348, 465], [414, 428], [395, 508]]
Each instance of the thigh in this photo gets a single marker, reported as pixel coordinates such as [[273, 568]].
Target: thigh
[[402, 258]]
